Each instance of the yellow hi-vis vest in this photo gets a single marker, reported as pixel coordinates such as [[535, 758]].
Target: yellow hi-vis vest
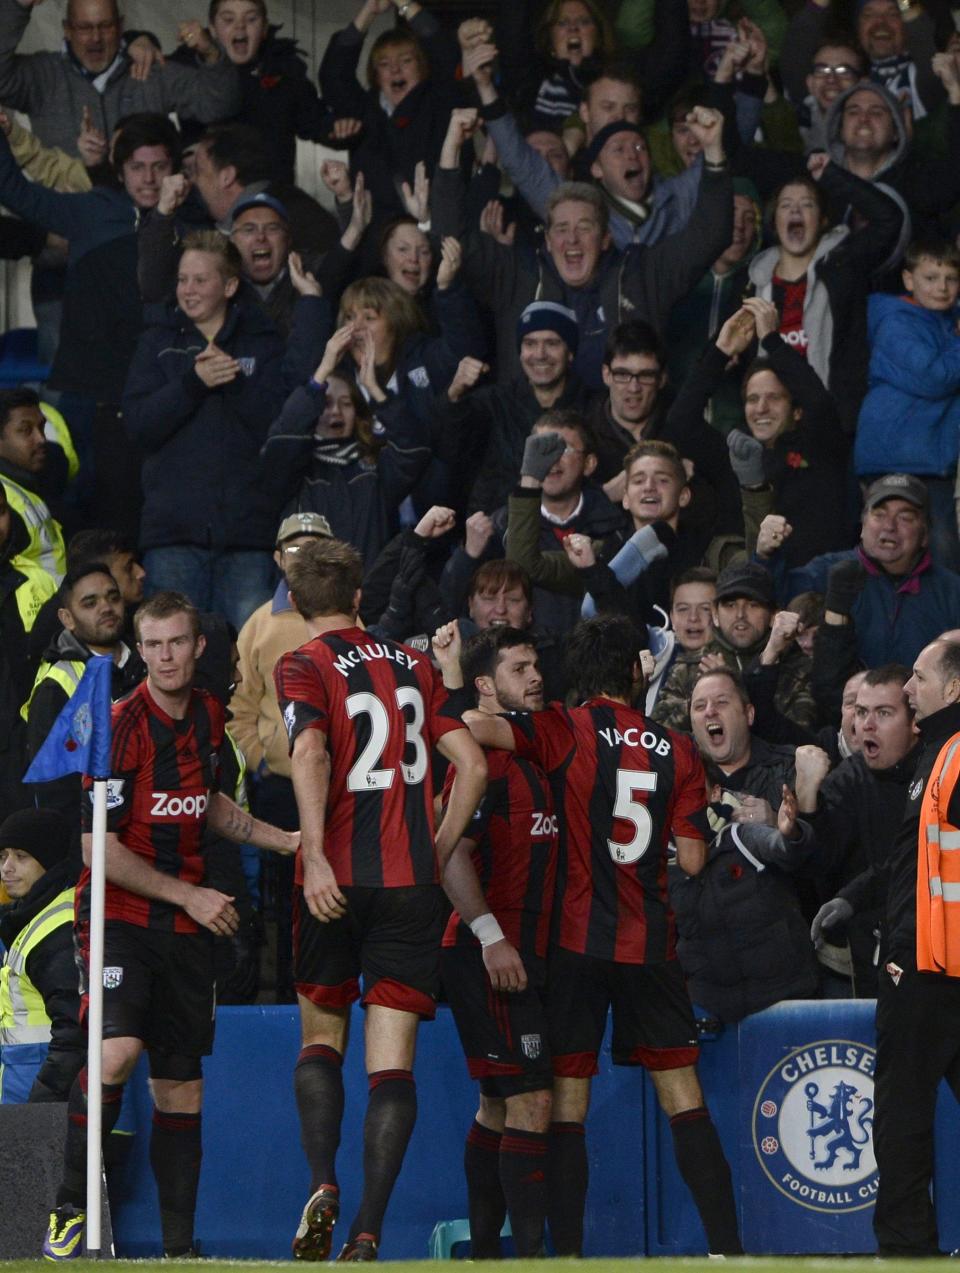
[[938, 869], [57, 430], [37, 588], [66, 673], [46, 547], [23, 1017]]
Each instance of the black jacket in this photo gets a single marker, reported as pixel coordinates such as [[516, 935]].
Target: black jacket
[[391, 146], [858, 813], [806, 465], [742, 940], [482, 436], [278, 100], [359, 496]]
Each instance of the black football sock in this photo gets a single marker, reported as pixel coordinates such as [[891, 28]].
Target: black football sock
[[703, 1166], [175, 1153], [73, 1188], [523, 1174], [318, 1083], [487, 1205], [391, 1114], [567, 1177]]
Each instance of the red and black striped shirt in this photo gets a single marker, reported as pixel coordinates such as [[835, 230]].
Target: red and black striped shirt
[[514, 835], [622, 784], [163, 773], [381, 706]]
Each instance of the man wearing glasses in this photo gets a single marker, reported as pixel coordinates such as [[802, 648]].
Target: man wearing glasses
[[96, 69], [636, 409]]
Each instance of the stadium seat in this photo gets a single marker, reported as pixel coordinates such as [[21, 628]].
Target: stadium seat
[[452, 1233], [18, 358]]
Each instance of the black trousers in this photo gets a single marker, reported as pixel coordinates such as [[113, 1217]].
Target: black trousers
[[918, 1044]]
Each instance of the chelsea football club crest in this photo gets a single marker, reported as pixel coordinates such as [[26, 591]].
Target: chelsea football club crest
[[813, 1126], [82, 724]]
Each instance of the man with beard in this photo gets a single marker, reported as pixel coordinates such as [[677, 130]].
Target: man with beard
[[742, 618], [92, 614], [500, 878]]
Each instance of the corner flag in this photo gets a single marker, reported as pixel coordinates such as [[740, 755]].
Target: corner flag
[[79, 739]]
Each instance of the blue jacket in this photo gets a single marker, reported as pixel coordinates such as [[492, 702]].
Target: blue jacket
[[910, 418], [893, 618], [201, 475]]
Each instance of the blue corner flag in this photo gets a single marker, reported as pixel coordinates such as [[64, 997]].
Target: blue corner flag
[[79, 740]]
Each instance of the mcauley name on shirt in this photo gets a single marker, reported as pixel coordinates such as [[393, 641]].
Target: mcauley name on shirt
[[344, 663]]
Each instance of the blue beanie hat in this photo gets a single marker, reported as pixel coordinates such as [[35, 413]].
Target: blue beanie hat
[[548, 316]]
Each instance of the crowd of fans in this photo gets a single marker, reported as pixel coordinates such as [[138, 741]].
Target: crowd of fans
[[645, 307]]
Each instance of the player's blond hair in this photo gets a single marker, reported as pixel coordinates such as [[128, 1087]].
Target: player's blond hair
[[324, 577]]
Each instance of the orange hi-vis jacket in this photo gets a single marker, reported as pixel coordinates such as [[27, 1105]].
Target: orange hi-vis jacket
[[938, 869]]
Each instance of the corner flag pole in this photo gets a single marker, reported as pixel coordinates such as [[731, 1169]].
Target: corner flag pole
[[95, 1017]]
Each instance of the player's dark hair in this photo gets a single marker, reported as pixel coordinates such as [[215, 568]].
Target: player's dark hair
[[324, 577], [145, 128], [501, 573], [696, 574], [564, 418], [660, 450], [96, 545], [163, 606], [938, 250], [76, 574], [637, 337], [735, 679], [601, 656], [481, 653], [11, 399], [888, 674], [241, 147]]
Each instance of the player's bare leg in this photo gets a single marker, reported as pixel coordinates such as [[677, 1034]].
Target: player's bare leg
[[391, 1039], [318, 1083], [700, 1156], [567, 1173]]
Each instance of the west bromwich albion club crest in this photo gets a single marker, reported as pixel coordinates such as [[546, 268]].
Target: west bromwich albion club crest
[[112, 977], [813, 1126]]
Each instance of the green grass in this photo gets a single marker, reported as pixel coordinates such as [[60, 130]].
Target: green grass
[[759, 1264]]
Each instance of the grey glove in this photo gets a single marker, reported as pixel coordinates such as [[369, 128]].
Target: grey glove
[[746, 458], [654, 541], [540, 453], [836, 911]]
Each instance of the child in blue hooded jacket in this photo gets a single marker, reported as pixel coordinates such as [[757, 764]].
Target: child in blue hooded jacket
[[910, 418]]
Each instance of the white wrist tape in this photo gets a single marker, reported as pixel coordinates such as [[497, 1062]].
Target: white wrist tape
[[486, 929]]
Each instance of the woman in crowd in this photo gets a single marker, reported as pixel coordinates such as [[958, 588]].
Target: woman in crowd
[[325, 452]]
